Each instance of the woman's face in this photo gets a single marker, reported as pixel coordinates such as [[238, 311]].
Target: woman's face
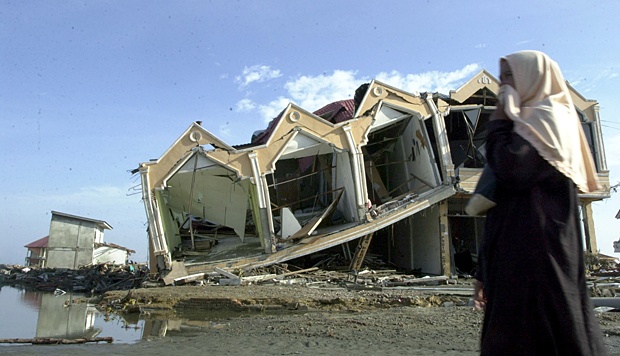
[[505, 74]]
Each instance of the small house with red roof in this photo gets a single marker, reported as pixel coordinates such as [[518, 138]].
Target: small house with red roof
[[75, 241], [37, 252]]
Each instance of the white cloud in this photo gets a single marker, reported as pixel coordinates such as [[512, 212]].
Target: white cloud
[[433, 81], [314, 92], [593, 79], [272, 109], [524, 42], [257, 73], [245, 105]]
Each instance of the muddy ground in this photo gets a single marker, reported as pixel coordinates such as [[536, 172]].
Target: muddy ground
[[300, 320]]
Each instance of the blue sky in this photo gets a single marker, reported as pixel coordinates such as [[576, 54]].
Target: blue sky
[[89, 89]]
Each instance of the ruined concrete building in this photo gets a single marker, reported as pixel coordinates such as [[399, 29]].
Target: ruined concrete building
[[388, 171]]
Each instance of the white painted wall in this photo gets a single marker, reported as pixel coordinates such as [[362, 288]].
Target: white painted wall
[[105, 254]]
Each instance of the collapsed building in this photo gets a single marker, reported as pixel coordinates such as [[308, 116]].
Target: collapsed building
[[389, 171]]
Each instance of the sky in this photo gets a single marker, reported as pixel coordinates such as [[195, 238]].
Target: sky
[[90, 89]]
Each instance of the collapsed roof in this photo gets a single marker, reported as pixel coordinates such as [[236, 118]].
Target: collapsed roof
[[315, 180]]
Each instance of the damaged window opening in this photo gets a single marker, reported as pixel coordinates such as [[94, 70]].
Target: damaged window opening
[[588, 130], [208, 208], [301, 184], [466, 128], [300, 189], [396, 159], [466, 235]]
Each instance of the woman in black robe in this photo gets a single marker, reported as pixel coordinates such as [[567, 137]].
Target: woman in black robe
[[531, 279]]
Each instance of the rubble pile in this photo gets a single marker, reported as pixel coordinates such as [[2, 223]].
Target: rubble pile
[[603, 275], [93, 279], [600, 282], [314, 277]]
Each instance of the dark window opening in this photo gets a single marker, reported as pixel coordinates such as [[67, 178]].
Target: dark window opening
[[381, 165], [466, 233], [467, 134], [588, 130], [304, 185]]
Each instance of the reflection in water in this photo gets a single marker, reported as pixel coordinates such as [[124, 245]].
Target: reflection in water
[[29, 314], [159, 328], [31, 298], [60, 318]]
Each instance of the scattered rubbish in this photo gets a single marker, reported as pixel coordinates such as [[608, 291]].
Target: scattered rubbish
[[94, 279], [605, 309], [46, 340]]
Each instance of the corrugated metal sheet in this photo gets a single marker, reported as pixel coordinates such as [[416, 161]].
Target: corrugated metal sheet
[[334, 112], [337, 111]]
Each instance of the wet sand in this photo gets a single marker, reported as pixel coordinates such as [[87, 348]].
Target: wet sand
[[276, 320], [394, 331]]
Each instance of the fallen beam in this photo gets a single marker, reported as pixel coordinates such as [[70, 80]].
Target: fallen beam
[[226, 273], [190, 278], [322, 242], [46, 340], [360, 253], [274, 277]]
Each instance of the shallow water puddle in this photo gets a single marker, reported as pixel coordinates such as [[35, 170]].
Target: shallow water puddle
[[30, 314]]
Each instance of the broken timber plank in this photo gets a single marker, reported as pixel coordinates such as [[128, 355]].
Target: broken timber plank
[[311, 269], [190, 278], [360, 253], [177, 270], [271, 277], [420, 281], [257, 279], [226, 273], [47, 340], [313, 223]]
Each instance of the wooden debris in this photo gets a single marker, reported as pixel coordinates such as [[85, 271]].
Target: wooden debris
[[419, 281], [47, 340], [226, 273], [360, 253], [96, 279], [274, 277], [177, 270], [190, 278]]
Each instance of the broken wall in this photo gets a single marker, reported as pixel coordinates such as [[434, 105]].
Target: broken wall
[[414, 243], [310, 174], [107, 254]]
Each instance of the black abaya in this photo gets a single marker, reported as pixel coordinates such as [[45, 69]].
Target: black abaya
[[531, 258]]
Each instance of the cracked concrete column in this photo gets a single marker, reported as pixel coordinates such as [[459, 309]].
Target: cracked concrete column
[[446, 256], [588, 227], [359, 180], [267, 233]]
